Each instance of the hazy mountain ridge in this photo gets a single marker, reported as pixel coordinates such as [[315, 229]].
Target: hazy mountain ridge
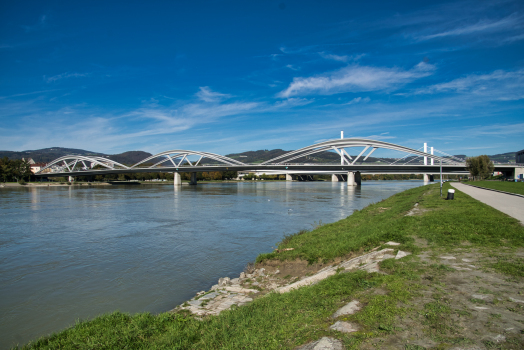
[[47, 155]]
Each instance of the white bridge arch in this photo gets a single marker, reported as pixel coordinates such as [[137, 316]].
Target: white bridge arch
[[177, 159], [68, 163], [339, 146], [181, 156]]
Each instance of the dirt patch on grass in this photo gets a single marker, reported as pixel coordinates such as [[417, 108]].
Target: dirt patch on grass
[[416, 211], [464, 304], [300, 268]]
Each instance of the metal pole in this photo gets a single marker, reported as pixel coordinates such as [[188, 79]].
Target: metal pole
[[441, 177], [341, 152]]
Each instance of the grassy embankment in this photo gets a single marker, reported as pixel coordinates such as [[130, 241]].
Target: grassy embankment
[[506, 186], [287, 320]]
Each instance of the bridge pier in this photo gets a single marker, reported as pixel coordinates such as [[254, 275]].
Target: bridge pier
[[426, 177], [354, 178], [71, 179], [351, 179], [289, 177], [177, 180], [193, 180]]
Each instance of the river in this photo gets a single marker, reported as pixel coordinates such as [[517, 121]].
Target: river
[[70, 253]]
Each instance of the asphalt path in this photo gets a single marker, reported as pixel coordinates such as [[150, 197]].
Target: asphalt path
[[506, 203]]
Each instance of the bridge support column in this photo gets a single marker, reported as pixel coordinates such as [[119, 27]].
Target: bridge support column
[[426, 178], [289, 177], [193, 180], [351, 179], [334, 178], [358, 178], [177, 180], [71, 179]]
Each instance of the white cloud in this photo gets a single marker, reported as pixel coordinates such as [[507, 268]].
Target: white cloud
[[65, 76], [328, 56], [494, 130], [510, 22], [207, 95], [359, 100], [514, 38], [355, 79], [293, 102], [498, 85]]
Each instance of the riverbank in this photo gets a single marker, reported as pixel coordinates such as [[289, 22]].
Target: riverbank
[[459, 287]]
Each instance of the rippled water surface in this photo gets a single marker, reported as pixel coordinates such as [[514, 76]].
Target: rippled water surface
[[69, 253]]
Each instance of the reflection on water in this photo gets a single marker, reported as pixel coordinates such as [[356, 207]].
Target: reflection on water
[[69, 253]]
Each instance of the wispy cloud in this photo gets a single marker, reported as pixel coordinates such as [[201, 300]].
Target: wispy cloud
[[292, 67], [207, 95], [514, 38], [66, 75], [293, 102], [355, 79], [359, 100], [329, 56], [42, 21], [498, 85], [509, 22], [26, 94], [494, 130]]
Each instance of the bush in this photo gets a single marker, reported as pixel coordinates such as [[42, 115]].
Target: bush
[[22, 182]]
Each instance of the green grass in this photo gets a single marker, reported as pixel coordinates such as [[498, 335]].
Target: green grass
[[268, 323], [287, 320], [513, 267], [506, 186], [444, 222]]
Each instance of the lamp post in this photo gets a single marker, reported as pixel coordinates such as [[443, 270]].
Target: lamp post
[[441, 177]]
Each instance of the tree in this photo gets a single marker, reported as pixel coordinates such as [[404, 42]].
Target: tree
[[5, 168], [480, 166]]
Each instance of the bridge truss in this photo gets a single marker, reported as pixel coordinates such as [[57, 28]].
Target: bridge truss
[[178, 161]]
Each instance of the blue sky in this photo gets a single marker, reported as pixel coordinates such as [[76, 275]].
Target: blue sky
[[232, 76]]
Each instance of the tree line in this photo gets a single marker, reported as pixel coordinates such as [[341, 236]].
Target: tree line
[[14, 170], [156, 176]]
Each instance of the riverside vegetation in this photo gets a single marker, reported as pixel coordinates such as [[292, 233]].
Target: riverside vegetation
[[461, 288]]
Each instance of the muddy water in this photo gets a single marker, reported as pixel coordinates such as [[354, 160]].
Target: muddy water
[[70, 253]]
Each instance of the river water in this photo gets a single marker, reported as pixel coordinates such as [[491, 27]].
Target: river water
[[70, 253]]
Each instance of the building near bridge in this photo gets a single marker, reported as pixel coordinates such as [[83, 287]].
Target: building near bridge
[[35, 167], [519, 157]]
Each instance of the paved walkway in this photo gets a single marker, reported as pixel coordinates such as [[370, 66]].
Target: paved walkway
[[506, 203]]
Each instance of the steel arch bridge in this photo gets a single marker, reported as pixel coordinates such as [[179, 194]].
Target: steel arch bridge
[[178, 161], [340, 145]]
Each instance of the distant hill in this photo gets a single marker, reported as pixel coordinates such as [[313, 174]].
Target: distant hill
[[508, 157], [322, 157], [131, 157], [47, 155]]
